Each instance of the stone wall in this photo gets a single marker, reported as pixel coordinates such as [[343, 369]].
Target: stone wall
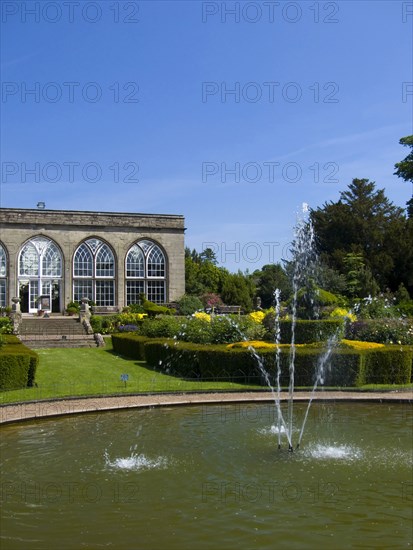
[[120, 230]]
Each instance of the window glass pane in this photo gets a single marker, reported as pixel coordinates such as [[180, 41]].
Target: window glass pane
[[105, 295], [83, 262], [133, 290], [146, 245], [2, 293], [34, 294], [135, 263], [3, 263], [105, 263], [52, 261], [29, 261], [82, 289], [156, 292], [156, 263], [93, 244]]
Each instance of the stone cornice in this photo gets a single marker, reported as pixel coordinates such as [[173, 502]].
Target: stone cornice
[[21, 217]]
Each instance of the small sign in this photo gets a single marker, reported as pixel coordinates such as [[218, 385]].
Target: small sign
[[44, 302], [124, 378]]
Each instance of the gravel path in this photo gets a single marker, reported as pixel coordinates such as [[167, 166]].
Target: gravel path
[[42, 409]]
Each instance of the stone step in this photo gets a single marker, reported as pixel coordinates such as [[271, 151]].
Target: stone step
[[33, 342], [52, 326]]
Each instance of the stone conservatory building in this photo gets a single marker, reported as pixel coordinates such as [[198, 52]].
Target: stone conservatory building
[[53, 257]]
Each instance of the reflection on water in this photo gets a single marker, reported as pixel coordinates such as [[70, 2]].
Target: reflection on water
[[209, 477]]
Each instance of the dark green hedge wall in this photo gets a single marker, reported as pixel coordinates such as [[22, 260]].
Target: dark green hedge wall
[[18, 364], [344, 368]]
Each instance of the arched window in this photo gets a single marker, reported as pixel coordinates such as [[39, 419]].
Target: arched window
[[3, 277], [94, 273], [145, 273], [40, 272]]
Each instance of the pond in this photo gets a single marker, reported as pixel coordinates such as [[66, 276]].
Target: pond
[[209, 477]]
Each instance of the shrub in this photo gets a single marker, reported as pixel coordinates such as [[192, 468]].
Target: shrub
[[73, 306], [130, 318], [306, 331], [237, 364], [250, 328], [405, 308], [96, 323], [340, 312], [189, 304], [196, 330], [202, 316], [224, 330], [127, 328], [257, 316], [384, 331], [346, 367], [361, 346], [211, 300], [6, 325], [391, 365], [14, 371], [133, 308], [18, 364], [131, 345], [326, 298], [153, 309], [375, 308], [161, 327], [311, 299]]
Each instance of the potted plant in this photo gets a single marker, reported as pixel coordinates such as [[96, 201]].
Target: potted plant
[[72, 308]]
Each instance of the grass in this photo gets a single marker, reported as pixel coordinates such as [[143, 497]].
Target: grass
[[97, 371]]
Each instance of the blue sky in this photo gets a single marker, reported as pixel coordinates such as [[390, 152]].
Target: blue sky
[[230, 113]]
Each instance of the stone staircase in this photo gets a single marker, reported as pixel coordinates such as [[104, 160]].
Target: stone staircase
[[55, 332]]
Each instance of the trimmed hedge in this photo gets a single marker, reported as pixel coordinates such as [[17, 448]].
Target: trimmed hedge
[[389, 365], [239, 365], [18, 364], [344, 368], [131, 345], [306, 331]]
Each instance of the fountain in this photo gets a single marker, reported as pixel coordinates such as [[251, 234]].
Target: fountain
[[304, 262], [207, 477]]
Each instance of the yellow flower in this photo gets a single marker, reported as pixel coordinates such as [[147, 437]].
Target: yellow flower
[[257, 316], [259, 344], [341, 312], [358, 345], [203, 316]]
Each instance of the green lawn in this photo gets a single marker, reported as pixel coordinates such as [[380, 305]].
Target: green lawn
[[97, 371]]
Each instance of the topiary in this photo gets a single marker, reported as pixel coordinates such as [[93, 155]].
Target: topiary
[[153, 309]]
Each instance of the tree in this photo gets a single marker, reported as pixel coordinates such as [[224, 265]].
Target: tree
[[363, 222], [404, 168], [202, 275], [267, 280], [238, 290], [360, 281], [208, 255]]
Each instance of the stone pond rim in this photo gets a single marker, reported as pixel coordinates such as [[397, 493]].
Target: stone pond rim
[[33, 410]]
